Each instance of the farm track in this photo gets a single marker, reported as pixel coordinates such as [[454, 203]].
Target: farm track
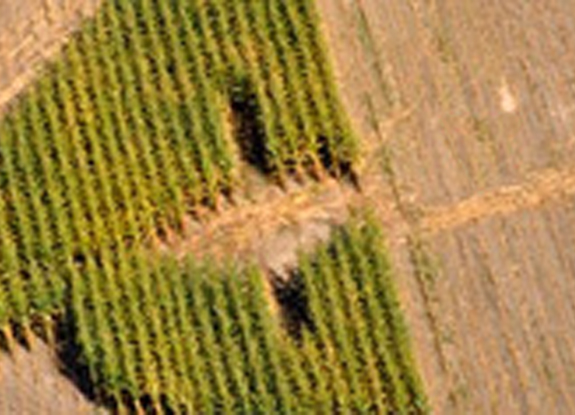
[[482, 167], [275, 223], [546, 187]]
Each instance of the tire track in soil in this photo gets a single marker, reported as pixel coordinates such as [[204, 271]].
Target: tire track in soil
[[276, 223], [542, 187]]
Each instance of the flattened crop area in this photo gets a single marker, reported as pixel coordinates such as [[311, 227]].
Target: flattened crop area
[[474, 106]]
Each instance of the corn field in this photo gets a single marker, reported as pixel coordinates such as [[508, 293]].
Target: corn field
[[150, 114], [191, 338], [146, 116]]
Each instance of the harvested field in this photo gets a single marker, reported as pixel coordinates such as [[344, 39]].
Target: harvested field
[[503, 302], [475, 103]]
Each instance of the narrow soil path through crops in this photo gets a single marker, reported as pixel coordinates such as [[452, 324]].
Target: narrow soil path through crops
[[275, 223]]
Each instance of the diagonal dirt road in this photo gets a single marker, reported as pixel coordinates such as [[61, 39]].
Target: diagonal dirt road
[[275, 223], [544, 187]]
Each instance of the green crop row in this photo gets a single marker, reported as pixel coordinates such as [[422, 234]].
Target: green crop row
[[139, 123], [195, 338]]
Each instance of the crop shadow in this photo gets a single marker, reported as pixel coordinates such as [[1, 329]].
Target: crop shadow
[[292, 299], [247, 125]]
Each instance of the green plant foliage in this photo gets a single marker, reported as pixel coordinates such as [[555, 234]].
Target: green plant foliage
[[128, 131], [198, 338], [126, 134]]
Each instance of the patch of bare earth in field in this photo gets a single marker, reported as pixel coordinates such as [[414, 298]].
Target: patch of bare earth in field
[[474, 101], [32, 31], [31, 383]]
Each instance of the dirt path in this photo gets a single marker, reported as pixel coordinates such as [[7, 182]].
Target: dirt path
[[541, 188], [275, 223], [32, 31]]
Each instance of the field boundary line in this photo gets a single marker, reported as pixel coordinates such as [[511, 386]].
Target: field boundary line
[[540, 188], [248, 227]]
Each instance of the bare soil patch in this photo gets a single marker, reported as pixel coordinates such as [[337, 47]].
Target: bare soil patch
[[482, 166], [31, 383], [32, 31]]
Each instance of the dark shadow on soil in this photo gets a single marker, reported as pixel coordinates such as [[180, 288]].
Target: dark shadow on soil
[[337, 168], [5, 345], [247, 125], [292, 299], [69, 354], [164, 407]]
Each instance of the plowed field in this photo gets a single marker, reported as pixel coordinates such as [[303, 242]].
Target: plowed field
[[475, 104]]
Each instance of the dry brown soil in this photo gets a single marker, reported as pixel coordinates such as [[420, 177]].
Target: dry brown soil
[[467, 112], [475, 102], [32, 384], [32, 31]]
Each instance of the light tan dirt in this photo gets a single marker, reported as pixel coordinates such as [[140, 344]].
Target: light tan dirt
[[482, 163], [32, 384], [32, 31], [544, 187], [504, 310]]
